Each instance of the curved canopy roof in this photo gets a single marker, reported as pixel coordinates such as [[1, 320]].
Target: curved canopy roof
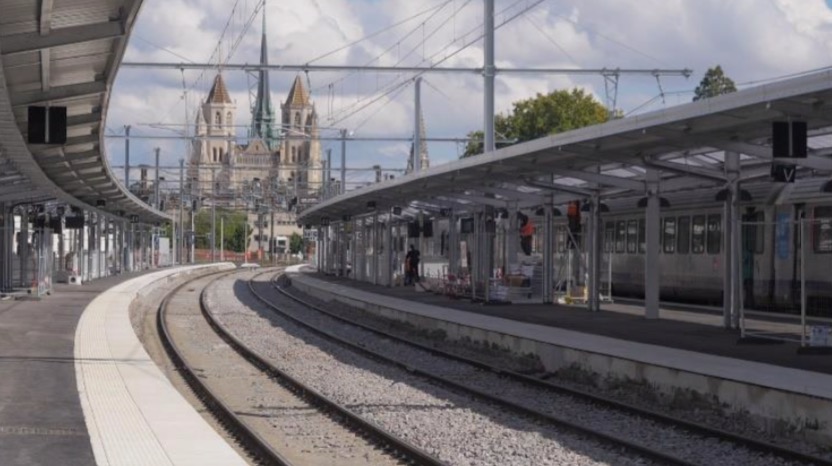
[[63, 54], [686, 144]]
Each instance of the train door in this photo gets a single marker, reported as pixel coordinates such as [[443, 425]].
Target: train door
[[752, 244]]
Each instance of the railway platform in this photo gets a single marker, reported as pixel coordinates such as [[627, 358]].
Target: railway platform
[[683, 350], [78, 387]]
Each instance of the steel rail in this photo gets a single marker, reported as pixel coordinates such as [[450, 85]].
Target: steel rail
[[692, 426], [404, 450], [253, 443], [632, 447]]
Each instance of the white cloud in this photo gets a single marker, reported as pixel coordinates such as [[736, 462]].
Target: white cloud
[[752, 40]]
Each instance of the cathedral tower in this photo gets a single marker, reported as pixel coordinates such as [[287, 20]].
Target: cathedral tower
[[262, 114], [215, 120], [300, 157]]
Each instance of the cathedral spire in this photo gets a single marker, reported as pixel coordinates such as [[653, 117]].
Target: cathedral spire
[[262, 115]]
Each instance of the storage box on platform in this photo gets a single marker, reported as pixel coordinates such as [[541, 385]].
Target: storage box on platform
[[820, 335]]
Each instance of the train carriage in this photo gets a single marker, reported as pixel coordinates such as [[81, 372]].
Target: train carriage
[[692, 256]]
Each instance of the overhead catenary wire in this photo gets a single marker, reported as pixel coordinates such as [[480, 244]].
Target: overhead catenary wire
[[433, 12], [446, 57], [376, 33]]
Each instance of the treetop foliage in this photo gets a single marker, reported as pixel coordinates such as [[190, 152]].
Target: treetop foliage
[[714, 83], [543, 115]]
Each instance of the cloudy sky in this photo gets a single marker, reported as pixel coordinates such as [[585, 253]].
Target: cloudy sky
[[753, 40]]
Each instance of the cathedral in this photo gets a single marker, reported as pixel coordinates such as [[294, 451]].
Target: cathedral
[[284, 160]]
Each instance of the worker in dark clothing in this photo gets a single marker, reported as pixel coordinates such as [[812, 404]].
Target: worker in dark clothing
[[526, 233], [411, 261]]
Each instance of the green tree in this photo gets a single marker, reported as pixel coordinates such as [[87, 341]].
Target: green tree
[[543, 115], [233, 235], [476, 139], [295, 243], [714, 83]]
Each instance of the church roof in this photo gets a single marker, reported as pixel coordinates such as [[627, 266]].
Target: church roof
[[298, 95], [219, 93]]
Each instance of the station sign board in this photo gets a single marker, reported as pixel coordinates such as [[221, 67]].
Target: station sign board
[[789, 140]]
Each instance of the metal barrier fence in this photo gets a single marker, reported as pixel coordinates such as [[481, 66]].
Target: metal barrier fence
[[30, 262], [786, 284]]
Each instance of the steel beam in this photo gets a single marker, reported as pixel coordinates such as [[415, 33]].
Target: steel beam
[[32, 42], [764, 152], [83, 120], [687, 170], [73, 91], [560, 188], [607, 180], [404, 69]]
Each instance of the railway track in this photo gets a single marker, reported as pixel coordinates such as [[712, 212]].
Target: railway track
[[277, 419], [691, 428]]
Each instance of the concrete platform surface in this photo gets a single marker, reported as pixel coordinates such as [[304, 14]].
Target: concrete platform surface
[[675, 343], [134, 415], [41, 420]]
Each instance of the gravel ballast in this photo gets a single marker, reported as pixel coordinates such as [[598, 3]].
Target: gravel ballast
[[452, 426]]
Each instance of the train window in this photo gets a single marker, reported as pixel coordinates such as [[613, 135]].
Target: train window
[[698, 235], [822, 230], [609, 236], [669, 233], [714, 233], [683, 238], [620, 236], [642, 236], [632, 236]]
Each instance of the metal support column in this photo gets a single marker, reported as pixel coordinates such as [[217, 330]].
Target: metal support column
[[415, 159], [174, 233], [128, 246], [376, 247], [732, 250], [548, 252], [651, 264], [324, 237], [127, 157], [213, 216], [389, 251], [6, 247], [594, 249], [360, 251], [83, 271], [157, 191], [476, 257], [91, 249], [421, 244], [453, 245], [192, 235], [512, 238], [23, 247], [354, 248], [343, 161], [488, 75], [342, 248], [180, 253], [107, 236]]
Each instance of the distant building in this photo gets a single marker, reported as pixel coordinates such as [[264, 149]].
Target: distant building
[[286, 159], [290, 164]]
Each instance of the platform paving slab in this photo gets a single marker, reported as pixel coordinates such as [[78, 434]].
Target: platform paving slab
[[682, 330], [134, 415], [41, 420]]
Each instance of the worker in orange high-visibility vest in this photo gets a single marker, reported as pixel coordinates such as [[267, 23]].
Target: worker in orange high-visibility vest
[[526, 233]]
